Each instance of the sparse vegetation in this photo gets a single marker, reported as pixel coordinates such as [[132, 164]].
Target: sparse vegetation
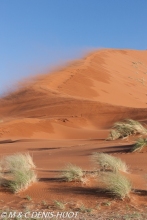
[[139, 145], [20, 180], [107, 162], [1, 174], [28, 198], [59, 205], [106, 203], [44, 202], [72, 173], [19, 172], [18, 161], [116, 184], [113, 135], [85, 209], [126, 128]]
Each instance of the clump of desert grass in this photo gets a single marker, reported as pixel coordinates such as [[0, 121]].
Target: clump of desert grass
[[21, 180], [19, 172], [59, 204], [19, 161], [116, 184], [111, 170], [139, 145], [72, 173], [1, 174], [106, 162], [125, 129]]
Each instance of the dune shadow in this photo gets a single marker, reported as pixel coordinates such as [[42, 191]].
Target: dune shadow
[[8, 141], [140, 192], [44, 148], [112, 149], [5, 190], [55, 179], [59, 171], [118, 149], [71, 187], [81, 190], [51, 171]]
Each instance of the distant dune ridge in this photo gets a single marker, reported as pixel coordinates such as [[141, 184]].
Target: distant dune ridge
[[81, 100]]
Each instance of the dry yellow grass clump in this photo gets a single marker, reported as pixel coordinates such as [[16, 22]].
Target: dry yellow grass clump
[[126, 128], [107, 162], [18, 172], [139, 145], [72, 173], [116, 184]]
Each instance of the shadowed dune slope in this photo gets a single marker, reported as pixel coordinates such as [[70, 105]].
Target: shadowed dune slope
[[92, 93]]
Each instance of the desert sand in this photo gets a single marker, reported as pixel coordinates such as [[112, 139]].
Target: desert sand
[[64, 116]]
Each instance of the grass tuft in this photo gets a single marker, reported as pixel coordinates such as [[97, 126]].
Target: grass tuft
[[84, 209], [19, 172], [21, 179], [139, 145], [1, 174], [72, 173], [117, 184], [19, 161], [108, 162], [126, 128], [60, 205]]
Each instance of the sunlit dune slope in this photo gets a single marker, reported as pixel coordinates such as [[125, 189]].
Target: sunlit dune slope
[[92, 93], [117, 77]]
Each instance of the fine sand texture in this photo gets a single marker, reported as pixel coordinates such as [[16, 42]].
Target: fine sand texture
[[64, 117]]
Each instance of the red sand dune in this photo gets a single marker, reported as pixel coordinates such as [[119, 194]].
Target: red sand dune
[[78, 104], [92, 93]]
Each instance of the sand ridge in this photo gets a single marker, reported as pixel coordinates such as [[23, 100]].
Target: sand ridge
[[64, 116], [105, 86]]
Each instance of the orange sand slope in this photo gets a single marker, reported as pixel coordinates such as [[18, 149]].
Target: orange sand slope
[[81, 100]]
